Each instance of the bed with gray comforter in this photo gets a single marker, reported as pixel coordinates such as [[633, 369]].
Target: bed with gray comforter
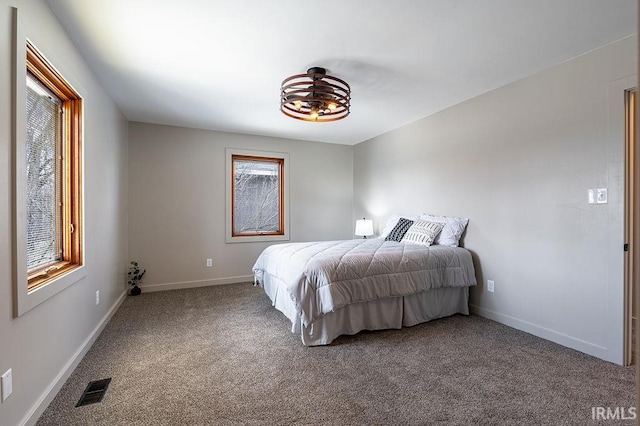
[[330, 288]]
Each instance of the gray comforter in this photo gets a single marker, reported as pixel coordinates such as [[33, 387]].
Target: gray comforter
[[323, 276]]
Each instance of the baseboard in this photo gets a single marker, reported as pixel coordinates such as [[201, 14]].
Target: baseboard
[[193, 284], [54, 387], [545, 333]]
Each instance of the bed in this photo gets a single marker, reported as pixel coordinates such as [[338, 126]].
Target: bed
[[330, 288]]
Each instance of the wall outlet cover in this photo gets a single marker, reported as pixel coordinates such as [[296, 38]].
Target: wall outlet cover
[[7, 384]]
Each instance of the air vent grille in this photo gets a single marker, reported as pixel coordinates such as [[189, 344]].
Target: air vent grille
[[94, 392]]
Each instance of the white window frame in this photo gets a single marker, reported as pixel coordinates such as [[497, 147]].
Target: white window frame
[[229, 238], [24, 299]]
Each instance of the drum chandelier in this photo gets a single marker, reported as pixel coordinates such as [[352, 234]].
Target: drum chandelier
[[315, 96]]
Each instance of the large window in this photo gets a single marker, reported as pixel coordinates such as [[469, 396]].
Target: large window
[[257, 196], [53, 172], [48, 213]]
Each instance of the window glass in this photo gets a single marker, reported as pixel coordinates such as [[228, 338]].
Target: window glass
[[44, 183], [257, 196]]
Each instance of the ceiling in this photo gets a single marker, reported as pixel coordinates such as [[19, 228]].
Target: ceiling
[[218, 64]]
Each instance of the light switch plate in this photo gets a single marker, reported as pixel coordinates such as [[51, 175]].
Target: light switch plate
[[7, 385]]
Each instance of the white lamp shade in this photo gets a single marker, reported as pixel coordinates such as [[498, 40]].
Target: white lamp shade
[[364, 227]]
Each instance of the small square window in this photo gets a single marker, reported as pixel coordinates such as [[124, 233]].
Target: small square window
[[257, 196]]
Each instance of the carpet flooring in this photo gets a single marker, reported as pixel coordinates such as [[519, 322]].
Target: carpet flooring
[[224, 356]]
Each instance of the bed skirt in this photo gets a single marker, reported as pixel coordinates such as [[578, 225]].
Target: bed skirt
[[381, 314]]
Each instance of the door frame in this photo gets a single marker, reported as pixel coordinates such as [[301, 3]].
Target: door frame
[[630, 222], [617, 323]]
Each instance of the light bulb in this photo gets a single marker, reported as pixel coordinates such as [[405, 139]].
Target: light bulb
[[314, 114], [297, 105], [332, 106]]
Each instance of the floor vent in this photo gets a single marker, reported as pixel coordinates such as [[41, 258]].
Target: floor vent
[[94, 392]]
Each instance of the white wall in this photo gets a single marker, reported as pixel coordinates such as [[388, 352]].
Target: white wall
[[177, 202], [518, 162], [42, 346]]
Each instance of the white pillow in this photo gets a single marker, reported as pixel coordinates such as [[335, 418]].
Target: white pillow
[[422, 232], [452, 230], [392, 221]]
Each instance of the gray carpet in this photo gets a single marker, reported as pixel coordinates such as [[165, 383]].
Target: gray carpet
[[223, 356]]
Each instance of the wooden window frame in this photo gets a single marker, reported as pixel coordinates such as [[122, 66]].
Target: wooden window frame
[[282, 159], [280, 162], [71, 171]]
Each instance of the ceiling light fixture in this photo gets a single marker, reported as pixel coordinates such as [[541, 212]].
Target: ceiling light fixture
[[315, 96]]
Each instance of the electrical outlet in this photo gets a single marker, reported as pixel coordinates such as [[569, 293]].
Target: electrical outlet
[[490, 286], [209, 263], [97, 297], [7, 385]]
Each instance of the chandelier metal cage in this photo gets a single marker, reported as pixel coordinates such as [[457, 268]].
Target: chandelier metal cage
[[315, 96]]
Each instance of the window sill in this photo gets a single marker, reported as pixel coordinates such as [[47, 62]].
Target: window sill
[[256, 238], [27, 300]]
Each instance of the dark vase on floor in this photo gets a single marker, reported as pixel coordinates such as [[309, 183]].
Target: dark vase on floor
[[135, 291]]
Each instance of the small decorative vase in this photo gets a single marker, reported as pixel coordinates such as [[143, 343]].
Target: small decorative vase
[[135, 291]]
